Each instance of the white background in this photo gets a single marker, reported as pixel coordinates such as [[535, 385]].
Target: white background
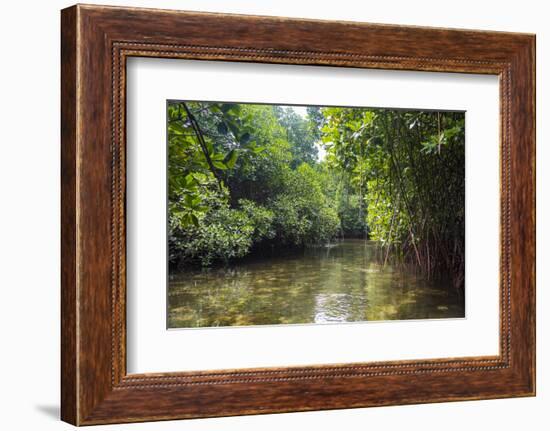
[[151, 348], [29, 228]]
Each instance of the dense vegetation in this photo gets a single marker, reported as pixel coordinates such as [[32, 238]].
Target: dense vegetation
[[249, 178]]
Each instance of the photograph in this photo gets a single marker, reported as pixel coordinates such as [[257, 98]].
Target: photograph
[[281, 211], [287, 214], [277, 210]]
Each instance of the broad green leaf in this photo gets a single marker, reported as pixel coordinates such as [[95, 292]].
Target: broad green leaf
[[219, 165], [231, 159], [209, 146], [217, 156]]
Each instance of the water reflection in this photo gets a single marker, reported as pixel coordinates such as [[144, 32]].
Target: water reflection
[[340, 283]]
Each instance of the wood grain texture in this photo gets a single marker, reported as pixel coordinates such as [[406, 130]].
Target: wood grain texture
[[96, 41], [69, 397]]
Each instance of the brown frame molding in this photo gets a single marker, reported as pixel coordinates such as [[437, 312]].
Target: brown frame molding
[[95, 43]]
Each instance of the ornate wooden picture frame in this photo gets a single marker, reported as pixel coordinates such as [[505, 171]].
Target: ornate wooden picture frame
[[96, 41]]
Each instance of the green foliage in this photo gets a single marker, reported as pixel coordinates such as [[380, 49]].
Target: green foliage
[[260, 218], [227, 235], [230, 171], [242, 177], [302, 212], [408, 167], [299, 134], [349, 212], [257, 175]]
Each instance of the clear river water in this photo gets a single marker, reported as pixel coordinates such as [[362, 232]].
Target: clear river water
[[342, 282]]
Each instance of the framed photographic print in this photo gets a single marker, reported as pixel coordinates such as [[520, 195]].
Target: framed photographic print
[[266, 215]]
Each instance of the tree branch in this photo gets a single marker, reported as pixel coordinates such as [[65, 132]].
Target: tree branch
[[203, 146]]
